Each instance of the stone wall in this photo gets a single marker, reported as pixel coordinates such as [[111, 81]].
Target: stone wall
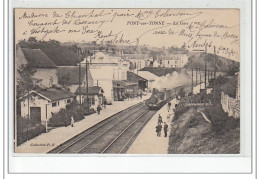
[[230, 105]]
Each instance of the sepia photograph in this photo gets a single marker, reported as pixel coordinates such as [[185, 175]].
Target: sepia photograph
[[126, 81]]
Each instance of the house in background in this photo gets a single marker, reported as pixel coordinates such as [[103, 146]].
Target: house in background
[[156, 64], [137, 61], [230, 96], [46, 69], [44, 103], [62, 56], [177, 60], [95, 95], [73, 76]]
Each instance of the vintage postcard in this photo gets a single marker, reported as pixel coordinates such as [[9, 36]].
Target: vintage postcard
[[127, 81]]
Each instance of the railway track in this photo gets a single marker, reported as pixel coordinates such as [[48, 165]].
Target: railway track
[[112, 135]]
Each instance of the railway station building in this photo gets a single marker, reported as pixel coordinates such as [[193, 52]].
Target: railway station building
[[142, 82], [106, 70], [150, 77]]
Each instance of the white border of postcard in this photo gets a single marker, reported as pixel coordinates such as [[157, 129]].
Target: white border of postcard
[[240, 163]]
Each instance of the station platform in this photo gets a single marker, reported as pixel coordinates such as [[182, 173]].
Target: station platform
[[147, 141], [48, 141]]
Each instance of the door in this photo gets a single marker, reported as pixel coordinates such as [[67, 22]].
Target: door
[[35, 114]]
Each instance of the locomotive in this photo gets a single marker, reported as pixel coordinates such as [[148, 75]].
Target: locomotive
[[160, 98]]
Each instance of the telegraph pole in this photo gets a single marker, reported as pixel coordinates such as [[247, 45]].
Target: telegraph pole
[[214, 85], [87, 82], [200, 79], [196, 76], [79, 84], [208, 75], [205, 74], [205, 66], [192, 80], [137, 67]]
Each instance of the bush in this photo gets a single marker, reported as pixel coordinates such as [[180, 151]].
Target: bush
[[59, 119], [32, 132], [221, 122], [22, 123], [63, 117]]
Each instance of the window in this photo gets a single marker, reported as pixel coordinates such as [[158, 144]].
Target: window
[[91, 100], [54, 104]]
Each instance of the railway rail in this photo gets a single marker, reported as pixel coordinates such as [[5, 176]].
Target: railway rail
[[112, 135]]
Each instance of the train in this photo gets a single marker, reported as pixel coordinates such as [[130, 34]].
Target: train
[[160, 97]]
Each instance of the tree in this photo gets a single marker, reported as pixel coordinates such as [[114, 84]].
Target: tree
[[65, 80], [25, 80], [25, 84], [232, 70], [30, 43]]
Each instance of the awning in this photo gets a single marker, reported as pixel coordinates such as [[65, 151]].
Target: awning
[[124, 83], [119, 87]]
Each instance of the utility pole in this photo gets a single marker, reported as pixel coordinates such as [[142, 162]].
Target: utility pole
[[214, 85], [205, 74], [87, 82], [79, 83], [196, 76], [192, 80], [208, 75], [28, 122], [200, 79]]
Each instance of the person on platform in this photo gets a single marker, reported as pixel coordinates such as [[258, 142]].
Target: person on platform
[[160, 119], [105, 103], [169, 106], [72, 121], [168, 117], [158, 130], [98, 109], [165, 129]]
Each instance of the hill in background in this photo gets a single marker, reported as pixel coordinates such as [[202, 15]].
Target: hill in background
[[197, 60]]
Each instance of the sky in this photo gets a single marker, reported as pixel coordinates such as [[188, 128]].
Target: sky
[[194, 29]]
